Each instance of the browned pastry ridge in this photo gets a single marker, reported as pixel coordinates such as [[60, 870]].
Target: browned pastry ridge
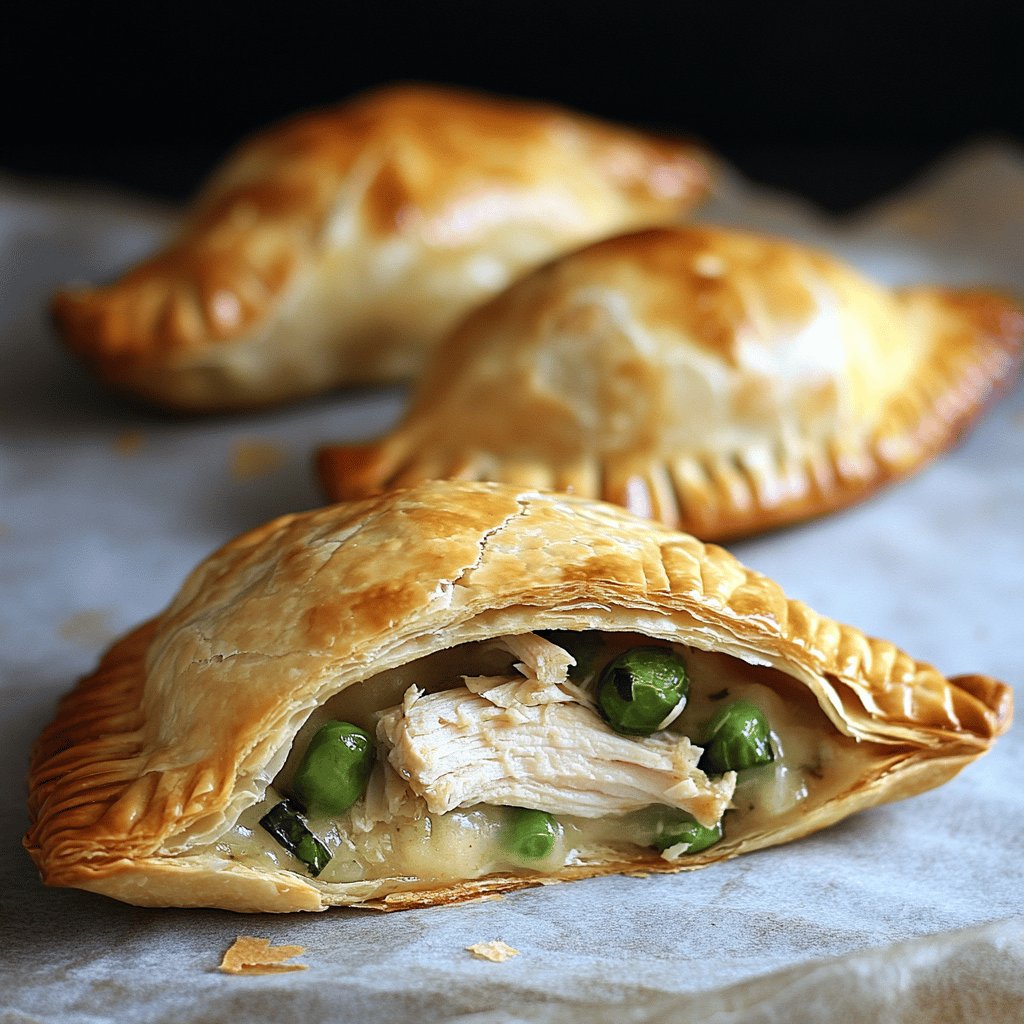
[[721, 382], [137, 784], [337, 247]]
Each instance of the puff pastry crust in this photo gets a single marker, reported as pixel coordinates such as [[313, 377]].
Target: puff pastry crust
[[718, 381], [337, 247], [185, 721]]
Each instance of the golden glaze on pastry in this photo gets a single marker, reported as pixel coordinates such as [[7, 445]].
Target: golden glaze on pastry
[[720, 382], [187, 719], [337, 247]]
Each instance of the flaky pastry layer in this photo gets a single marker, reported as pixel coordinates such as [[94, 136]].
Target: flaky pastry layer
[[189, 718]]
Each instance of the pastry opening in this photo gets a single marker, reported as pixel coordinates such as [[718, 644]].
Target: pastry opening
[[540, 752]]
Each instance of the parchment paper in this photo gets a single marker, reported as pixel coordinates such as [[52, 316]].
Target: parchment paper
[[104, 507]]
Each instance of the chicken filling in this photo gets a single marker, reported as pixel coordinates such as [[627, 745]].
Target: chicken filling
[[535, 752]]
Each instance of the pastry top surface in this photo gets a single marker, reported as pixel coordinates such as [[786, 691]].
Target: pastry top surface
[[386, 214], [717, 380]]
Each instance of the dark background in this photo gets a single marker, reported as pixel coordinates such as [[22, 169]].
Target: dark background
[[839, 101]]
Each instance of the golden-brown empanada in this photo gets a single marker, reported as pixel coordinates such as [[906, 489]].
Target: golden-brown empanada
[[339, 246], [416, 616], [720, 382]]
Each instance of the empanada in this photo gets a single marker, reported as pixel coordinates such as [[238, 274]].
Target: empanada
[[460, 689], [720, 382], [336, 248]]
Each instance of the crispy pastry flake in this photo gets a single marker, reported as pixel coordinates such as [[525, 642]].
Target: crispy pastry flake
[[496, 951], [250, 955], [720, 382], [337, 247]]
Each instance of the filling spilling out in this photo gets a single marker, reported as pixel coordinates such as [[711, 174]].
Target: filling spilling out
[[538, 752]]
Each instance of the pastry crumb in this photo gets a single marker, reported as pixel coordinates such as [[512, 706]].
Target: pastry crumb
[[497, 952], [673, 853], [249, 955], [252, 459], [90, 628], [129, 443]]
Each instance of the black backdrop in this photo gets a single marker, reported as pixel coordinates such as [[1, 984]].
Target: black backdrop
[[838, 100]]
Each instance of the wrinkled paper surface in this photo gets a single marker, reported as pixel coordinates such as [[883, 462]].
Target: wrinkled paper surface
[[105, 506]]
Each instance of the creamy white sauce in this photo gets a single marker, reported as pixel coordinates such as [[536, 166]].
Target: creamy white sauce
[[466, 843]]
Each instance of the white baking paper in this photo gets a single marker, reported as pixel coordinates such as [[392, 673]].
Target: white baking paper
[[105, 506]]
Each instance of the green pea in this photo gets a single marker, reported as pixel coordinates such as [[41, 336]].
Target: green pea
[[288, 827], [639, 688], [335, 769], [738, 737], [529, 834], [582, 644], [682, 828]]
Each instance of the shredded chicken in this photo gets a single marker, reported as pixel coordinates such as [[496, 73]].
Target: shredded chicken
[[388, 798], [508, 691], [543, 675], [540, 658], [458, 749]]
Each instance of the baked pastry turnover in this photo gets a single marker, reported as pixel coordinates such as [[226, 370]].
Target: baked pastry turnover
[[336, 248], [462, 688], [720, 382]]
